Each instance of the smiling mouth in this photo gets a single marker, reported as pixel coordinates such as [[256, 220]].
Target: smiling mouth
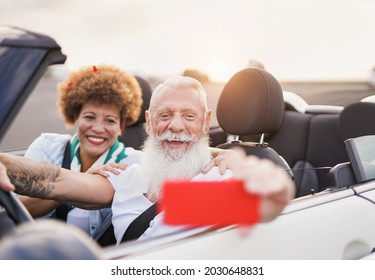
[[173, 137], [176, 144], [175, 141], [96, 140]]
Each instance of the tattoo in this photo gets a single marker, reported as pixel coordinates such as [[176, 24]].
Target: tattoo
[[31, 178]]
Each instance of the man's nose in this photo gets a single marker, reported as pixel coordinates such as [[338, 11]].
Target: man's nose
[[177, 123]]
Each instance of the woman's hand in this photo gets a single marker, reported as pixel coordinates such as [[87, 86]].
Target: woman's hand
[[112, 167]]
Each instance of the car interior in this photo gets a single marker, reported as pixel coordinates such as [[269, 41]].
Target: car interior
[[135, 134], [322, 136], [255, 114], [361, 153]]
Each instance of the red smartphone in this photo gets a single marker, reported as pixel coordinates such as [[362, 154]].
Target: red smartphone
[[219, 203]]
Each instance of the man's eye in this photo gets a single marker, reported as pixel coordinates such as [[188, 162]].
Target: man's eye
[[190, 117], [164, 116]]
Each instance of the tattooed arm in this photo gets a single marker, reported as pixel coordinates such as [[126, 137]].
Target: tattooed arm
[[43, 180]]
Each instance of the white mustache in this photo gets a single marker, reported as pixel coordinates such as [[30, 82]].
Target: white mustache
[[176, 137]]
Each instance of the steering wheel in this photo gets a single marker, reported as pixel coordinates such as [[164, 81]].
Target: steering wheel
[[60, 241], [16, 211]]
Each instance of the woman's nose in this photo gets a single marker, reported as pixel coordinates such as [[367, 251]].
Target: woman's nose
[[98, 126]]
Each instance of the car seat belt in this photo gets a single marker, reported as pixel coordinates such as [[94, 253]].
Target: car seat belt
[[140, 224], [62, 210]]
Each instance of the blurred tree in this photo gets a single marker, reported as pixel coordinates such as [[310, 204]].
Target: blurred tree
[[196, 74]]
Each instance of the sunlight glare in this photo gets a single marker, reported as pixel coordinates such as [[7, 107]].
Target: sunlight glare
[[219, 71]]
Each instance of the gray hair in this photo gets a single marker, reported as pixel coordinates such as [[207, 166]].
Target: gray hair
[[177, 82]]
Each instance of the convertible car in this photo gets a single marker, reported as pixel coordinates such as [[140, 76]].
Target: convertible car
[[331, 217]]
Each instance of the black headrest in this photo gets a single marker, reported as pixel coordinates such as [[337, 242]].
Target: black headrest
[[146, 96], [48, 240], [356, 120], [251, 103]]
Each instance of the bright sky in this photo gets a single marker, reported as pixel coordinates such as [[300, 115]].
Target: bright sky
[[295, 39]]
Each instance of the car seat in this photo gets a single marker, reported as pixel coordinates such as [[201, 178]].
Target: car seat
[[354, 121], [135, 134], [251, 103]]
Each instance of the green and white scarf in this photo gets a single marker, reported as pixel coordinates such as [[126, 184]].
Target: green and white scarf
[[114, 154]]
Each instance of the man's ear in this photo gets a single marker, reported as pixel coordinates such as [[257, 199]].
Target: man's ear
[[208, 121], [148, 122]]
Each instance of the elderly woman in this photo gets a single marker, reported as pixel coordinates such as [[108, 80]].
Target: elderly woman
[[99, 102]]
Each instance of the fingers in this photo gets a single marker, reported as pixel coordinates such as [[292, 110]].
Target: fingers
[[110, 167], [222, 168], [259, 175], [235, 158], [220, 160], [97, 170], [121, 166], [209, 166], [5, 183], [266, 179]]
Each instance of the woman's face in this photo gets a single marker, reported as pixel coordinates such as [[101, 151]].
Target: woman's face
[[98, 127]]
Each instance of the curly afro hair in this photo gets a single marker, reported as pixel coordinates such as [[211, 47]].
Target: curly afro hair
[[104, 84]]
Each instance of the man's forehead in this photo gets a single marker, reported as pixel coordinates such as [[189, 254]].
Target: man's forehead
[[179, 91], [181, 96]]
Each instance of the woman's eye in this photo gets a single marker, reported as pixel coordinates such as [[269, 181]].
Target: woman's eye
[[111, 121]]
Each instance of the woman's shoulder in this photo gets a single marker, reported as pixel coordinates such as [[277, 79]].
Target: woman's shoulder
[[49, 136], [49, 147]]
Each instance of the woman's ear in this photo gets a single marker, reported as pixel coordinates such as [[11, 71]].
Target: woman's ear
[[123, 126]]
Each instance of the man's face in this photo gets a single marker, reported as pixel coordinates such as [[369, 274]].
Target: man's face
[[178, 119]]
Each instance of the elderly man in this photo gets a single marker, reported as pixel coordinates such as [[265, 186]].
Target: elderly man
[[177, 148]]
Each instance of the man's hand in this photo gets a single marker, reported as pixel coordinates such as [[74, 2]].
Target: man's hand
[[219, 159], [5, 183], [263, 177]]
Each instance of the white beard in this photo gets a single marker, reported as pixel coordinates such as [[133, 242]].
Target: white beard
[[160, 165]]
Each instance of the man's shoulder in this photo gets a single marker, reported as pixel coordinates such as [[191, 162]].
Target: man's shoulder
[[133, 156], [130, 178]]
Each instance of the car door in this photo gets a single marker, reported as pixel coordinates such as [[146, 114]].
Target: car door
[[24, 58]]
